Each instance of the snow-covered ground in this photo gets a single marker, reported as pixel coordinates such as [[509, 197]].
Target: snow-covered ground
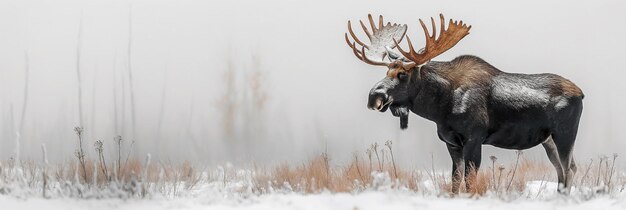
[[216, 189], [366, 200], [539, 195]]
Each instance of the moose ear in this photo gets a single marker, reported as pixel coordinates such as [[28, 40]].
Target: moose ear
[[418, 71]]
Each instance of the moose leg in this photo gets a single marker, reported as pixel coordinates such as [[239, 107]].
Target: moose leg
[[456, 153], [564, 133], [564, 141], [564, 149], [565, 156], [573, 166], [553, 155], [471, 155]]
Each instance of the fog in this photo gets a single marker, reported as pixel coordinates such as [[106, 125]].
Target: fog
[[273, 81]]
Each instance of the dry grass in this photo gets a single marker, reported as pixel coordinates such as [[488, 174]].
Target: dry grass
[[508, 179], [494, 178], [374, 169], [319, 174]]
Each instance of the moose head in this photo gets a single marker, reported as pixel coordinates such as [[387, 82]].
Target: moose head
[[394, 91]]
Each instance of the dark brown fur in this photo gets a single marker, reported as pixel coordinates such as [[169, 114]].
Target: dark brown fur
[[466, 72]]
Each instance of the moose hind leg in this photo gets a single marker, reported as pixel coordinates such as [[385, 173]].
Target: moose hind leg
[[573, 166], [565, 156], [564, 135], [553, 156]]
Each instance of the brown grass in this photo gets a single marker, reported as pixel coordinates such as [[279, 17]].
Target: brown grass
[[317, 175], [133, 170], [497, 180]]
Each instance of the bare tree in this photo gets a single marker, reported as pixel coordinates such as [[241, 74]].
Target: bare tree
[[130, 71], [115, 109], [162, 109], [18, 135], [92, 124], [78, 75]]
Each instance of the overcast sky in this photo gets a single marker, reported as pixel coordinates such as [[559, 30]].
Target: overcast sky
[[277, 74]]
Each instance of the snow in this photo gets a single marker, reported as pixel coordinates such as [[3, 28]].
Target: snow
[[538, 195], [278, 201], [219, 190]]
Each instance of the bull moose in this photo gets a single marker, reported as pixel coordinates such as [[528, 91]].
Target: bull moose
[[472, 102]]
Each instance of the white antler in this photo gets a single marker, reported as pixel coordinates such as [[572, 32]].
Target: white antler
[[381, 39]]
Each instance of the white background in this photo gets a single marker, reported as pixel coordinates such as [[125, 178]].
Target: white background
[[316, 89]]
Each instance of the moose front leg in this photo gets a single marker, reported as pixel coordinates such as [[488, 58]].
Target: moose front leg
[[456, 153], [471, 154]]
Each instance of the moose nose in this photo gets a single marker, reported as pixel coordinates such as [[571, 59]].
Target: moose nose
[[376, 101], [378, 97], [377, 104]]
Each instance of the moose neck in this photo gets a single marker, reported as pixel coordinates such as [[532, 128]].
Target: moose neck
[[431, 94]]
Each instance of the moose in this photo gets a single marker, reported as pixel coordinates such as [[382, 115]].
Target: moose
[[471, 102]]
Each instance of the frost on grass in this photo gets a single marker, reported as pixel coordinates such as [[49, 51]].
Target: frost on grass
[[146, 181], [373, 171]]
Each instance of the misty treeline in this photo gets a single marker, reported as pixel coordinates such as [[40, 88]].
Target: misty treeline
[[241, 113]]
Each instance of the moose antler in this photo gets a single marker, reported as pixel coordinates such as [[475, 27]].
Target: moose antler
[[381, 40], [434, 47]]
